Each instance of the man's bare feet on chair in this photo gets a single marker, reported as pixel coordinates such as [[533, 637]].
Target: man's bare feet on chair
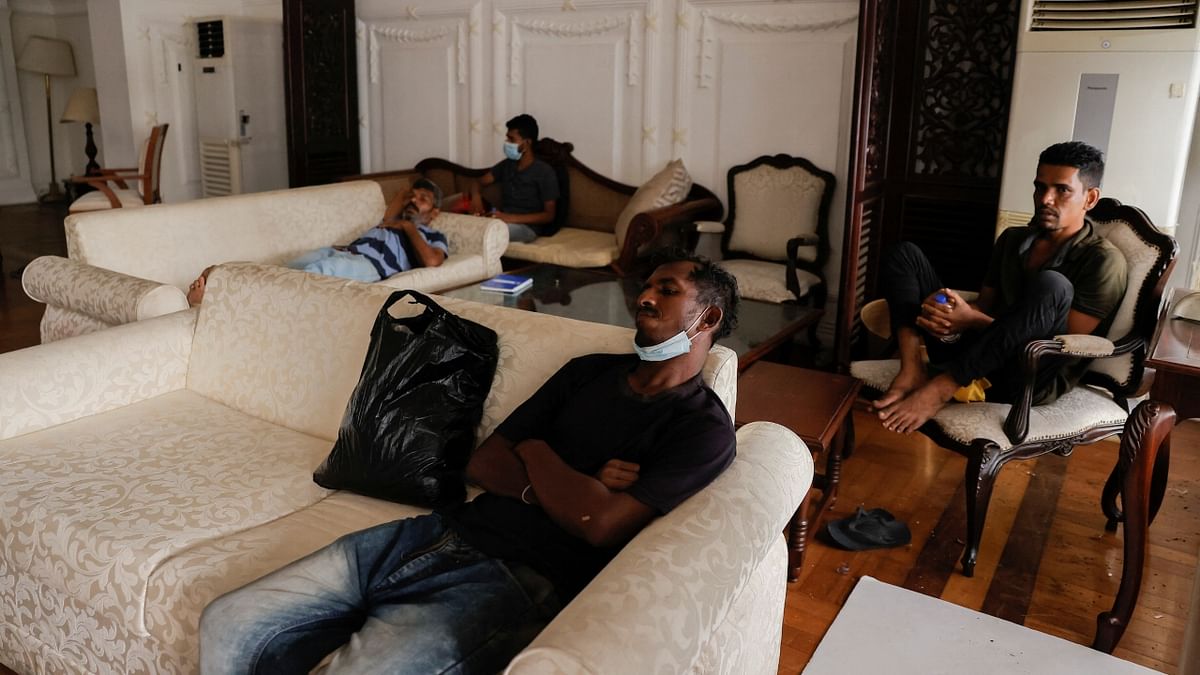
[[921, 404], [906, 380], [195, 294]]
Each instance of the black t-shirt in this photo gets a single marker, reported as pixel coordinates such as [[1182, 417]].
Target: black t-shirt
[[525, 191], [682, 438]]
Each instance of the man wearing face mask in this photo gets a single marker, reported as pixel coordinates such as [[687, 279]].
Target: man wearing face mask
[[607, 444], [529, 187]]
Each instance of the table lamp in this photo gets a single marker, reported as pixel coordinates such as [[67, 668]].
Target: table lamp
[[83, 107], [47, 57]]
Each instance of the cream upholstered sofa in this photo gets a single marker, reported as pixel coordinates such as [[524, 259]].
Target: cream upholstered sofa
[[127, 265], [154, 466], [591, 232]]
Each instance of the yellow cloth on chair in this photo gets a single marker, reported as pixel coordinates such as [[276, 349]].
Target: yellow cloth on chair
[[973, 392]]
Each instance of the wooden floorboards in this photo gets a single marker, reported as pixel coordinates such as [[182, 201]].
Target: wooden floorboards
[[1045, 560]]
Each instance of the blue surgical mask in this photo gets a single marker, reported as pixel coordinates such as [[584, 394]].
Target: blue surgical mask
[[512, 150], [676, 345]]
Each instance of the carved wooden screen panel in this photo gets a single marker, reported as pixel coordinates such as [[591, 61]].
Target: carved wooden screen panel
[[322, 99]]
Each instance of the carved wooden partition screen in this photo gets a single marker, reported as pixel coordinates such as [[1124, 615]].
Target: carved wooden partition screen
[[934, 79], [321, 89]]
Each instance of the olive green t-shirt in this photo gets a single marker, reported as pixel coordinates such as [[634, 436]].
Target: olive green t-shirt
[[1094, 266]]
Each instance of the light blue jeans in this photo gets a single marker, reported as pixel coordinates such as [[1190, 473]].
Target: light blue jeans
[[408, 596], [521, 232], [332, 262]]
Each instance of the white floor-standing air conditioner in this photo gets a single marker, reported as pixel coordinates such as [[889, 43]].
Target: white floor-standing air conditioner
[[1119, 74], [240, 105]]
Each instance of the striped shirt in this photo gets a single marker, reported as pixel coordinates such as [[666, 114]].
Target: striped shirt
[[390, 251]]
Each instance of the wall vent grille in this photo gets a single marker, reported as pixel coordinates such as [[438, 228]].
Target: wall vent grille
[[219, 162], [210, 36], [1058, 15]]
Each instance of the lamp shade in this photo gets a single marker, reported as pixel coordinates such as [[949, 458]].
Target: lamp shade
[[47, 56], [83, 106]]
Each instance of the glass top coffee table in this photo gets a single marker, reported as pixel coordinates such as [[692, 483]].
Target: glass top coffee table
[[603, 297]]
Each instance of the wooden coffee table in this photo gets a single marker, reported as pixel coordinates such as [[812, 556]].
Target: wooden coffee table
[[816, 406], [604, 297]]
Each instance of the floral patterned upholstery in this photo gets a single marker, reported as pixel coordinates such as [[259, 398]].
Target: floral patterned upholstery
[[153, 466], [131, 264]]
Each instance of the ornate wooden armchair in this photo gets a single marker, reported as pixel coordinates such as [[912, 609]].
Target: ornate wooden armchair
[[145, 179], [776, 235], [992, 434]]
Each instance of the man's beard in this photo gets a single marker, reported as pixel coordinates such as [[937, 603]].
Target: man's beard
[[1046, 220], [411, 213]]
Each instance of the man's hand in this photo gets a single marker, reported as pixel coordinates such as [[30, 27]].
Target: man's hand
[[618, 475], [954, 316]]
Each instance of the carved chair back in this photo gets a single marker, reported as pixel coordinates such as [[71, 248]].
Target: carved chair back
[[1149, 255], [774, 199]]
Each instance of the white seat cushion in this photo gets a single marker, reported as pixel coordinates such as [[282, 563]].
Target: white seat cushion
[[98, 201], [569, 247], [766, 281], [1074, 412]]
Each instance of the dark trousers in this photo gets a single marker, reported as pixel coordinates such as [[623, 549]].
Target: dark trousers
[[907, 278]]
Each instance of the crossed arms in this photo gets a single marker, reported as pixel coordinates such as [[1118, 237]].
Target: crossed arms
[[594, 508]]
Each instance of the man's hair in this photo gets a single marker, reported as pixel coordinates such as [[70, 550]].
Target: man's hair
[[526, 126], [426, 184], [714, 286], [1089, 160]]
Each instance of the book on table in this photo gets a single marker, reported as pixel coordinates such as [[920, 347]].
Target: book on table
[[507, 283]]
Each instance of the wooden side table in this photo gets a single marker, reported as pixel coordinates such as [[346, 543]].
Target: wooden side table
[[816, 406]]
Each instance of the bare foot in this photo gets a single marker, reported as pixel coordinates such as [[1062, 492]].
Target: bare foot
[[906, 380], [908, 414], [195, 294]]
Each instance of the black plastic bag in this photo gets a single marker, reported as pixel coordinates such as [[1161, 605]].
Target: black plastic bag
[[410, 425]]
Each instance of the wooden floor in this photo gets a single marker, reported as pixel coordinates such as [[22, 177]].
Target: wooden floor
[[1045, 562]]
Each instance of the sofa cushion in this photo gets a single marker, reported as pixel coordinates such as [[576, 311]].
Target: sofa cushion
[[667, 187], [569, 247]]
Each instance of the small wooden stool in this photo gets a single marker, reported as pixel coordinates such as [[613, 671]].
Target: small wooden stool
[[816, 406]]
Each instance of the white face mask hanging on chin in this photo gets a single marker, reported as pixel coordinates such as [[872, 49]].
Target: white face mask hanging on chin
[[676, 345]]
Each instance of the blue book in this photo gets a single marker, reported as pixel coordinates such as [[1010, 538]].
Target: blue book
[[506, 283]]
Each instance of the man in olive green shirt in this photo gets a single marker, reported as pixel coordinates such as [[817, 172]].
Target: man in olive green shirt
[[1051, 277]]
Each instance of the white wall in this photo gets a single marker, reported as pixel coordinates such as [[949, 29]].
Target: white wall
[[16, 186], [1187, 267], [632, 83]]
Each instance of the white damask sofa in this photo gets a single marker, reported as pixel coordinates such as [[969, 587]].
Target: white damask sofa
[[149, 468], [126, 265]]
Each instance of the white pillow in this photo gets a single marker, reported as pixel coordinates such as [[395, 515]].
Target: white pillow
[[667, 187]]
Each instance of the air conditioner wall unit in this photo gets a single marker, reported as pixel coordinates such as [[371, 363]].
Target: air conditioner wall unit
[[241, 123], [1130, 91]]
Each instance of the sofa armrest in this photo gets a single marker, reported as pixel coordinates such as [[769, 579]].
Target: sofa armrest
[[111, 297], [660, 601], [473, 235], [649, 225], [56, 383]]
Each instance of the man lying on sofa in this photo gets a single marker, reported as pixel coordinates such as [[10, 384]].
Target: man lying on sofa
[[529, 186], [402, 241], [603, 447]]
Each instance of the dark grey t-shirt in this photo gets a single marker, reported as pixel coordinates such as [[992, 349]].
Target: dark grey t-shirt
[[682, 438], [525, 191]]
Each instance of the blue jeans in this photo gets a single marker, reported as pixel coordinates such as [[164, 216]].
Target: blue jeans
[[334, 263], [521, 232], [408, 596]]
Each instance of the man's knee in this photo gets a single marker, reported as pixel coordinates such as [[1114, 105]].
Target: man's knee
[[1052, 287], [903, 253]]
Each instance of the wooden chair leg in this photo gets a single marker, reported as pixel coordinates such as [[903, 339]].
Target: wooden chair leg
[[1146, 431], [1108, 498], [982, 467], [797, 539], [1158, 482]]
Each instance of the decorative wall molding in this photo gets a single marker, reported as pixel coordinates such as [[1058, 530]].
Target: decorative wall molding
[[50, 7], [375, 33], [761, 24], [577, 29]]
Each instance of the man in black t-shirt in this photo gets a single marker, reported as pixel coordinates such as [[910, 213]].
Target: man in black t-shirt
[[607, 444], [529, 188]]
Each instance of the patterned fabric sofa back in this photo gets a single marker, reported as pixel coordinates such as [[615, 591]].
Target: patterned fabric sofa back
[[288, 347], [172, 243]]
